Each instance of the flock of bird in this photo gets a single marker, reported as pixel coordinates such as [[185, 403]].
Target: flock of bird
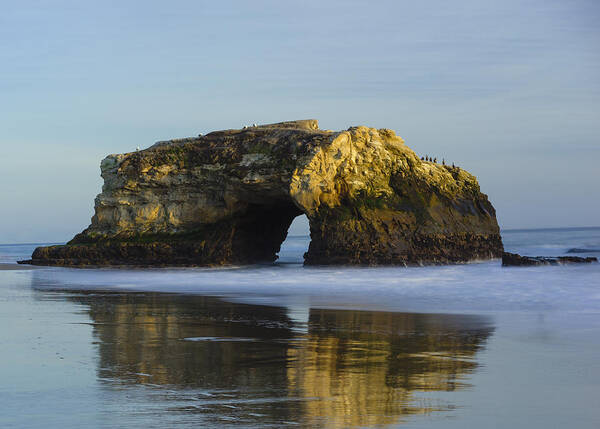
[[434, 160]]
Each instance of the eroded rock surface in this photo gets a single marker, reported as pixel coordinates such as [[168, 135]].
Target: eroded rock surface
[[229, 197]]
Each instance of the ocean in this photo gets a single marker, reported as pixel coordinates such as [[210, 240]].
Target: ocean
[[277, 345]]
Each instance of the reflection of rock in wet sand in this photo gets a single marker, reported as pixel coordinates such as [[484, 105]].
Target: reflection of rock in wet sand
[[146, 334], [364, 365], [350, 368]]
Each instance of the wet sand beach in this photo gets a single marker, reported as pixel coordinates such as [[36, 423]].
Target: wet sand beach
[[285, 346]]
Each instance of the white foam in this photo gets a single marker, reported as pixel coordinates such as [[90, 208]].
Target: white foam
[[481, 286], [469, 287]]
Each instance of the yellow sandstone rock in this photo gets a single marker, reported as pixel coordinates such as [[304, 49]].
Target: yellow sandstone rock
[[230, 196]]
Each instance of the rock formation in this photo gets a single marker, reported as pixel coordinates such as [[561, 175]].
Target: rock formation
[[229, 197], [582, 250], [513, 259]]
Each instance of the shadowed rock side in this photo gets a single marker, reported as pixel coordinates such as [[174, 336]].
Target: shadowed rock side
[[230, 196]]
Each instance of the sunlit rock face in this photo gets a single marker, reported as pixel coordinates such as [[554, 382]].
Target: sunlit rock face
[[230, 196]]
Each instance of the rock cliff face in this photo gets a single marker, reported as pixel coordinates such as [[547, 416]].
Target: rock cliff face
[[230, 196]]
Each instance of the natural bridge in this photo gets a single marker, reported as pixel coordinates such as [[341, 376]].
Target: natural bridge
[[230, 196]]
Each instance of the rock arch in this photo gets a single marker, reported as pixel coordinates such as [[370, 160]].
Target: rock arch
[[230, 196]]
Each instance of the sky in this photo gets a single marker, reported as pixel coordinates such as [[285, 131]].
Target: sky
[[509, 90]]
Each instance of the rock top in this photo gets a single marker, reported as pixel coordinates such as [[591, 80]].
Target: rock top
[[229, 197]]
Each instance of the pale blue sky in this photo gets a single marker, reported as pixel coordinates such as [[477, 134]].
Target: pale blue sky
[[509, 90]]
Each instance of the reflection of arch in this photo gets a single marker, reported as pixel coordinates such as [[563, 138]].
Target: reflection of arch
[[350, 368]]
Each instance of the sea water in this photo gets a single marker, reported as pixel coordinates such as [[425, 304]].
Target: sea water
[[470, 345]]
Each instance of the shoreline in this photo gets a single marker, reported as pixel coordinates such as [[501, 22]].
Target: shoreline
[[7, 266]]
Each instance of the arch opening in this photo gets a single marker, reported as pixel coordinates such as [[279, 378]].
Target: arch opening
[[296, 242], [256, 235]]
